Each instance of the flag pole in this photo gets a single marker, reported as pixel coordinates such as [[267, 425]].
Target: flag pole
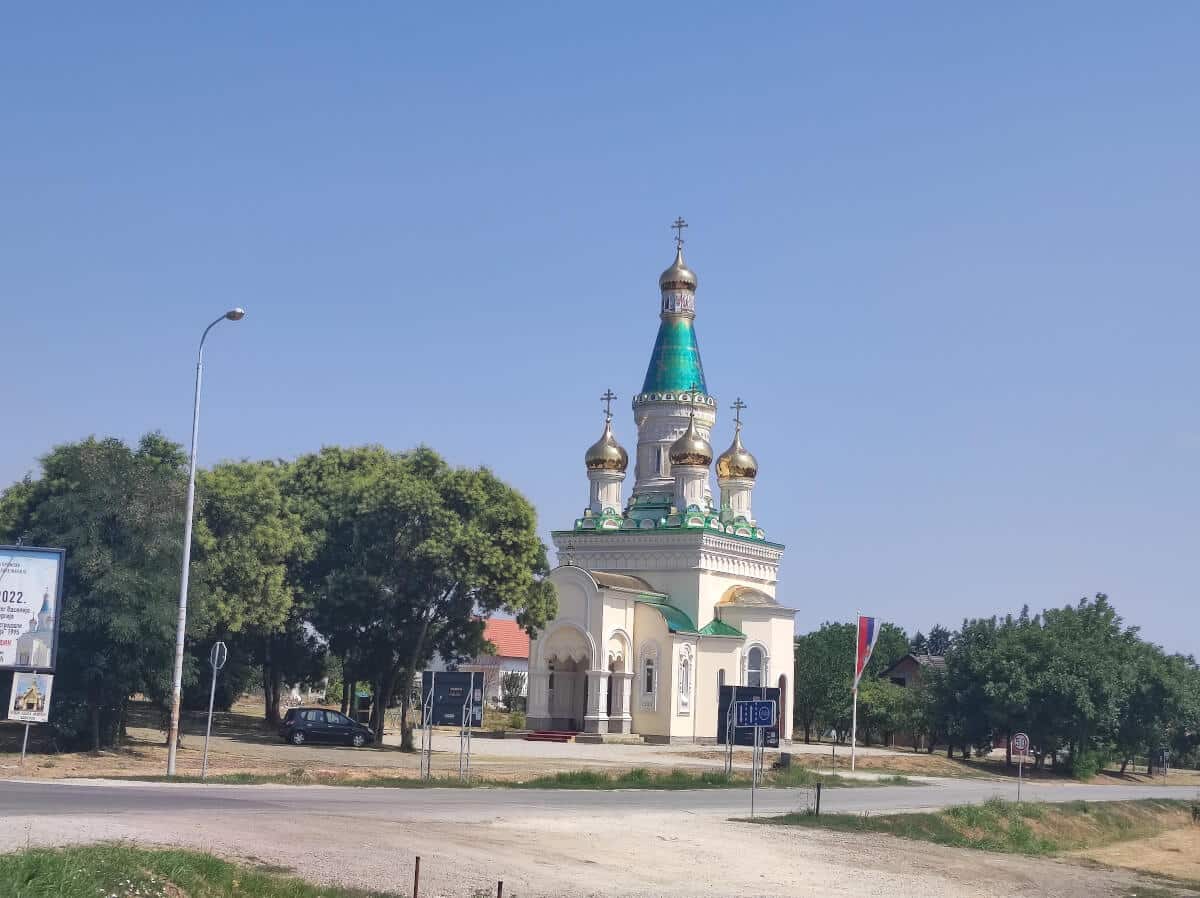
[[854, 711], [853, 729]]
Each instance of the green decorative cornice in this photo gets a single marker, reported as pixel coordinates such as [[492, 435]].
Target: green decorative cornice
[[716, 627], [677, 619]]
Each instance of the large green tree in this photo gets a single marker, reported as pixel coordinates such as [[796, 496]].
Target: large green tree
[[118, 512], [413, 553], [822, 677], [824, 674], [253, 547]]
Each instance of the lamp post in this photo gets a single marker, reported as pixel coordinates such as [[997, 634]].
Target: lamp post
[[181, 627]]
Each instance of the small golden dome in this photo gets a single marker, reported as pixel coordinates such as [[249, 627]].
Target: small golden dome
[[678, 275], [606, 453], [691, 448], [736, 461]]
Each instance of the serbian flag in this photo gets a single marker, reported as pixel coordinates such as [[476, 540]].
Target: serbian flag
[[867, 633]]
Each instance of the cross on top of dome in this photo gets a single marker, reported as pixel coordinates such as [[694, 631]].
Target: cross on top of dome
[[678, 226]]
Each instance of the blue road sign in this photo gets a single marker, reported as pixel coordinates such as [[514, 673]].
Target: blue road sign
[[754, 714]]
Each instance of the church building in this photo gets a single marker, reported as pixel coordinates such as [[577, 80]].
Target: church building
[[663, 598]]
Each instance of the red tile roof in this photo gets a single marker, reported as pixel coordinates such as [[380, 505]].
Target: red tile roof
[[508, 637]]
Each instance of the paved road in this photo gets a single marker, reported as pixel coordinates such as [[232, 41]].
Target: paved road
[[42, 799]]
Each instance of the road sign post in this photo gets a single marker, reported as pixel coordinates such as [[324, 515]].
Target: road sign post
[[758, 714], [1020, 744], [217, 658]]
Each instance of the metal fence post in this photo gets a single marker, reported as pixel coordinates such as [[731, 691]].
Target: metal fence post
[[417, 877]]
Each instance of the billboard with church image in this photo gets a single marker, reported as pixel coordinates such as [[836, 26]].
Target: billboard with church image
[[30, 699], [30, 599]]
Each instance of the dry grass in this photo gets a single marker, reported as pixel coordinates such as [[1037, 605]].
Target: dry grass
[[1018, 827], [1175, 853]]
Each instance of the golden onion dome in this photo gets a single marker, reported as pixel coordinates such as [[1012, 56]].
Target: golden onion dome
[[691, 448], [606, 453], [678, 275], [736, 461]]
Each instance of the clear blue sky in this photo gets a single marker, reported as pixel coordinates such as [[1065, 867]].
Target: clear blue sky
[[948, 254]]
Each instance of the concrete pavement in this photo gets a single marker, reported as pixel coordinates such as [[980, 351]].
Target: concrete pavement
[[57, 798]]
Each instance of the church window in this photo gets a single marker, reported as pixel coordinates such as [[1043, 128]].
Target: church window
[[648, 675], [685, 679], [550, 682], [756, 667]]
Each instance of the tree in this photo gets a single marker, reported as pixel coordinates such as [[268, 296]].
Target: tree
[[938, 641], [253, 546], [824, 673], [512, 689], [1076, 696], [822, 676], [414, 553], [118, 513], [918, 645]]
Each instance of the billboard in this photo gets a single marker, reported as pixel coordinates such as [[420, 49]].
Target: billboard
[[450, 693], [30, 699], [745, 735], [30, 601]]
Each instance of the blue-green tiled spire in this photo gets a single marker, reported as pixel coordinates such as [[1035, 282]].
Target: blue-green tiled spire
[[675, 363]]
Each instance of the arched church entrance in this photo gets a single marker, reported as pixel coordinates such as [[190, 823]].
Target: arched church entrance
[[568, 658]]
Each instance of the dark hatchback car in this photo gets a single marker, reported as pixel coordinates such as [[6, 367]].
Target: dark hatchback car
[[302, 725]]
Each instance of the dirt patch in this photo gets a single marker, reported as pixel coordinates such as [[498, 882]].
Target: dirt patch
[[591, 854], [1175, 853]]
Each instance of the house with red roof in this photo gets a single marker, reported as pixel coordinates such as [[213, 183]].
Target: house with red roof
[[511, 655]]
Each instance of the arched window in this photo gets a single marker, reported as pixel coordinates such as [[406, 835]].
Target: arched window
[[685, 679], [756, 667], [648, 675]]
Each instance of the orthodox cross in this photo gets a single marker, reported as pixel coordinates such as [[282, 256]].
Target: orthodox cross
[[607, 399], [737, 410], [678, 227]]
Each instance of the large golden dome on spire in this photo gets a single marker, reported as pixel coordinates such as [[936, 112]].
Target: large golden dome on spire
[[691, 448], [678, 275], [736, 461], [606, 454]]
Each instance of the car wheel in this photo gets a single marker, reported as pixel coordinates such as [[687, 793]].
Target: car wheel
[[358, 740], [297, 738]]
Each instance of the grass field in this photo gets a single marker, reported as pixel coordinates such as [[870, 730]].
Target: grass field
[[638, 778], [1018, 828], [122, 871]]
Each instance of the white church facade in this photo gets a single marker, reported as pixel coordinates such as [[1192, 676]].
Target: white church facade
[[666, 597]]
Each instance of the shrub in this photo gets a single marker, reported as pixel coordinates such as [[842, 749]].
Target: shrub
[[1086, 764]]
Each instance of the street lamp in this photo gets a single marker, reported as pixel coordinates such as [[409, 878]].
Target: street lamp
[[177, 682]]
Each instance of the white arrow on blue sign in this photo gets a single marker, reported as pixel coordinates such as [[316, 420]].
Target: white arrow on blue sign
[[754, 714]]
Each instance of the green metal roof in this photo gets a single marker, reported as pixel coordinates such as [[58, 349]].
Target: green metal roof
[[675, 363], [717, 627], [677, 620]]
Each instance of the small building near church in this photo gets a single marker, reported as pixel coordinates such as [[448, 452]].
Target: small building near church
[[510, 643], [910, 672], [664, 598], [911, 669]]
